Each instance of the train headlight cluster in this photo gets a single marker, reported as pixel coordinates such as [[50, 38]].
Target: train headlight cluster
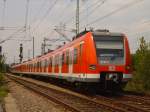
[[92, 67], [128, 67]]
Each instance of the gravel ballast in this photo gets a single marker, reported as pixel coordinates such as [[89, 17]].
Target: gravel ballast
[[29, 101]]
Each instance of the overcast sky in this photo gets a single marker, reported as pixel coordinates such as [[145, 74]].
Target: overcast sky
[[131, 17]]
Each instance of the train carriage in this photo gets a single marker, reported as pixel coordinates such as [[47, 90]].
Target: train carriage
[[92, 57]]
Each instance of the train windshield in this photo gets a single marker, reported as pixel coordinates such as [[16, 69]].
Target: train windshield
[[109, 49]]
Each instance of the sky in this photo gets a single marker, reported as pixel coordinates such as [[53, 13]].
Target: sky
[[130, 17]]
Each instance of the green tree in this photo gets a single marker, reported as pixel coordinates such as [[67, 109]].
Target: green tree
[[2, 63], [3, 87], [141, 65]]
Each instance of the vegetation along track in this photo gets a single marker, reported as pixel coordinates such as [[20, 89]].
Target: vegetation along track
[[78, 103]]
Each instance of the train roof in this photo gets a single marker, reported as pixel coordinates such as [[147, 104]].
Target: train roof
[[75, 39], [107, 33]]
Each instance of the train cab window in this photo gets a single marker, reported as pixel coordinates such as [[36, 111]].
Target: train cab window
[[75, 57], [109, 49]]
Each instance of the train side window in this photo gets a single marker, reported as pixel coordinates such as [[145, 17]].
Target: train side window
[[53, 61], [27, 67], [45, 63], [34, 66], [60, 59], [70, 57], [31, 67], [50, 62], [81, 49], [37, 65], [67, 57], [56, 60], [40, 64], [63, 58], [75, 58]]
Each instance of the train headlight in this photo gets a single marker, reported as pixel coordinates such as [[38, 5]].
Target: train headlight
[[92, 67], [128, 67]]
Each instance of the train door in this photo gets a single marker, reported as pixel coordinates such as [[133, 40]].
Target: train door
[[80, 57], [70, 62]]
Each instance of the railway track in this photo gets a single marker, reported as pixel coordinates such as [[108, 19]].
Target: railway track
[[78, 103], [138, 99], [131, 104]]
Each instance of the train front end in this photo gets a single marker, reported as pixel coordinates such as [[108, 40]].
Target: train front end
[[114, 59]]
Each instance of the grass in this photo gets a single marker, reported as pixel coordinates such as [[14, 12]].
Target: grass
[[3, 87], [136, 85]]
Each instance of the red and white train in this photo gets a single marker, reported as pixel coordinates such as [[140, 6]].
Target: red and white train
[[93, 57]]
